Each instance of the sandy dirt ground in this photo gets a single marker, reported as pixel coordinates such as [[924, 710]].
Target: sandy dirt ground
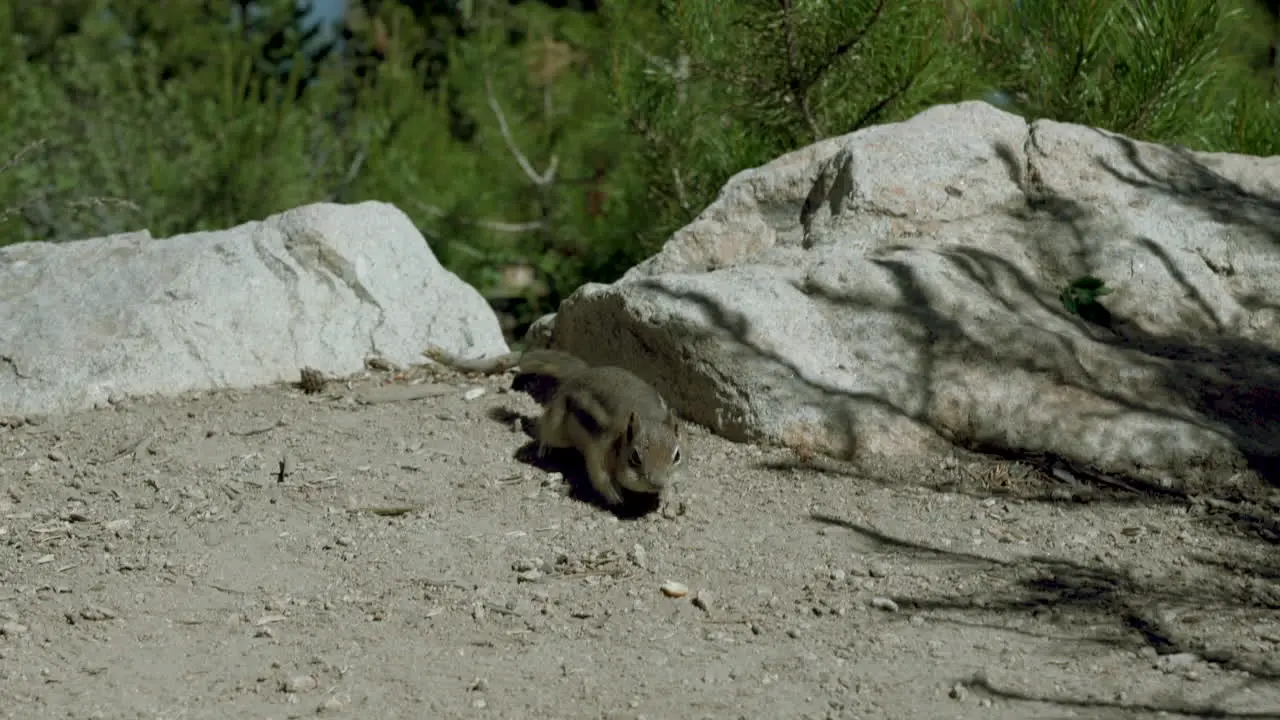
[[279, 554]]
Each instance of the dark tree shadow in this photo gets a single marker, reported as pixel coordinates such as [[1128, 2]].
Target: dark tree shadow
[[1112, 607], [1201, 372]]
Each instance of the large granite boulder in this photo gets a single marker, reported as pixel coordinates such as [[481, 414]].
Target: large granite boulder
[[323, 285], [916, 285]]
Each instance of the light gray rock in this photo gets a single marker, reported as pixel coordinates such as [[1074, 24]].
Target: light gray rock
[[322, 285], [896, 290]]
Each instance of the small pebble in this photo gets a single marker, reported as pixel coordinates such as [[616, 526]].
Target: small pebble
[[116, 526], [884, 603], [473, 394], [1178, 661], [299, 683], [638, 557], [674, 589], [95, 613]]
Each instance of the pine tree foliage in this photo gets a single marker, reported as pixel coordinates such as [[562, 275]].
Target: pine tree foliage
[[169, 116], [560, 142], [710, 88], [1143, 68], [543, 163]]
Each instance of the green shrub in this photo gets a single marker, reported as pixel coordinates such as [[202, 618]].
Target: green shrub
[[563, 142]]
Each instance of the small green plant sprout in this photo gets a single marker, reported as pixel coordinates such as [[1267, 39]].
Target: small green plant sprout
[[1080, 297]]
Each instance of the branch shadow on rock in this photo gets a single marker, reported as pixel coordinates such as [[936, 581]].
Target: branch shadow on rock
[[1245, 395], [1205, 376], [947, 338]]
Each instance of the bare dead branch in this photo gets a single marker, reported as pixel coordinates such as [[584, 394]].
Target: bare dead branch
[[839, 51], [539, 179], [679, 71], [350, 177], [17, 157], [982, 28], [92, 201], [76, 204], [682, 196], [497, 225], [799, 91], [354, 170], [95, 201]]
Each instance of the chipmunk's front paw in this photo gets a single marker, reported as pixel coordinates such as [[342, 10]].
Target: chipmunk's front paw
[[611, 495]]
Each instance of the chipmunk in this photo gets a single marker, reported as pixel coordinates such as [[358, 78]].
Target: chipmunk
[[628, 436]]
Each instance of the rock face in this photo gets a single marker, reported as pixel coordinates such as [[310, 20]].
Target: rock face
[[898, 290], [322, 285]]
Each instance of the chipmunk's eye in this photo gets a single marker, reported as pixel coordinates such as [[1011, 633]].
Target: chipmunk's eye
[[635, 459], [675, 457]]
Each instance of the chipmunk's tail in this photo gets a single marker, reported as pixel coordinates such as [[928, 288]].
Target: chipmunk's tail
[[483, 365], [552, 363], [542, 372]]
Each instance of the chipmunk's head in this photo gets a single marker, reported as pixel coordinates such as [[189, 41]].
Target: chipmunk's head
[[649, 455]]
